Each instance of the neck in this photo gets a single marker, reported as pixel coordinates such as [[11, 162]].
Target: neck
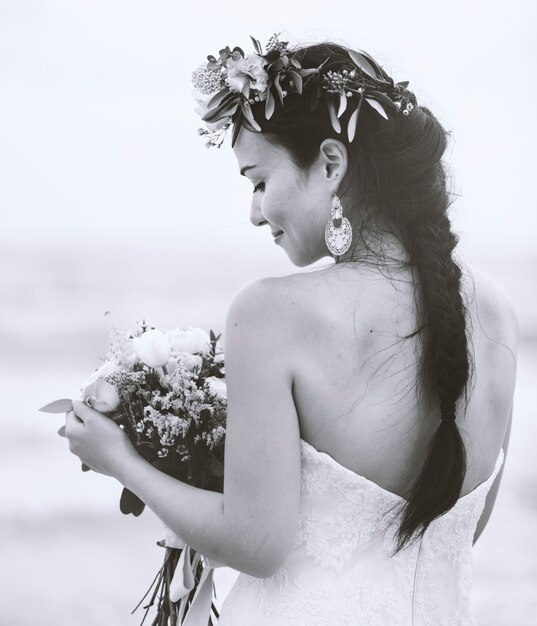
[[374, 245]]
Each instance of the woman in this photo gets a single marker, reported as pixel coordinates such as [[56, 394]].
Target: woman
[[369, 401]]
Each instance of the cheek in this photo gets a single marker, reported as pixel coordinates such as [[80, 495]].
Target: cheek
[[276, 207]]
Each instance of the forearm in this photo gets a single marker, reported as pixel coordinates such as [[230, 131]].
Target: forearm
[[196, 515]]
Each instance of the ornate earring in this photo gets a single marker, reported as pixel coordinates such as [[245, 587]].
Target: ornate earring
[[338, 239]]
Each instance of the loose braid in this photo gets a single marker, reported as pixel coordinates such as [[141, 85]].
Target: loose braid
[[445, 363], [395, 171]]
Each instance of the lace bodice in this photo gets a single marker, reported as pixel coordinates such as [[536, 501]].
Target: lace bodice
[[340, 571]]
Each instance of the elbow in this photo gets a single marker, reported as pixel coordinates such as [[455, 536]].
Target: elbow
[[264, 561], [271, 554], [264, 567]]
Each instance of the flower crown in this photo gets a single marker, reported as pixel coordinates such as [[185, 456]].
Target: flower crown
[[225, 88]]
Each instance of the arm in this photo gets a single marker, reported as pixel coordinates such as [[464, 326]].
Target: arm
[[493, 492], [501, 322], [252, 525]]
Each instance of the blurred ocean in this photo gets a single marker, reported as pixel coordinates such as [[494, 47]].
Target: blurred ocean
[[69, 555]]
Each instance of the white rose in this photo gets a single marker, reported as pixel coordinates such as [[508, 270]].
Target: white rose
[[217, 386], [246, 73], [102, 396], [152, 347], [191, 361], [190, 340]]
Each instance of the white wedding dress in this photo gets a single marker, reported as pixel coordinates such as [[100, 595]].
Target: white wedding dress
[[339, 572]]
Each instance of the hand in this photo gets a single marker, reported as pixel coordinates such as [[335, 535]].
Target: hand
[[98, 441]]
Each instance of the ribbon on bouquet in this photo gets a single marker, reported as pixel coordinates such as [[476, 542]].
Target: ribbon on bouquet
[[183, 580]]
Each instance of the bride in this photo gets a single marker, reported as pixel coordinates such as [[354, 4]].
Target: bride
[[369, 400]]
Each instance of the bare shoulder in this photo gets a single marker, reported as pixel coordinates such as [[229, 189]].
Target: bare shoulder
[[269, 306], [271, 297], [495, 311]]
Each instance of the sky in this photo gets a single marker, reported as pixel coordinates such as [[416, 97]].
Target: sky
[[98, 135]]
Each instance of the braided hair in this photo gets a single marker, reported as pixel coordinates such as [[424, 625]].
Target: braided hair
[[395, 169]]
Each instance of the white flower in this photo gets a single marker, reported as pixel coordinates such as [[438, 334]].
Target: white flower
[[190, 340], [191, 361], [246, 74], [201, 109], [102, 396], [152, 347], [217, 386], [171, 365]]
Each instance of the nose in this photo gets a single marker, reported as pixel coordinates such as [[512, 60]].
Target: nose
[[256, 216]]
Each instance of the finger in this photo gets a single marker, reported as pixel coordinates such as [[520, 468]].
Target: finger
[[84, 411], [72, 424]]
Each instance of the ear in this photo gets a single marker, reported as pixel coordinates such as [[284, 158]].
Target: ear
[[333, 158]]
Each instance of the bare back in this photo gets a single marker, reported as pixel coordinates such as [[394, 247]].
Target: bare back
[[354, 382]]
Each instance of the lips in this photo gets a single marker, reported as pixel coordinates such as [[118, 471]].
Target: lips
[[278, 232]]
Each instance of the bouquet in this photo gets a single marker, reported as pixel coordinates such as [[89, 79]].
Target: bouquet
[[167, 391]]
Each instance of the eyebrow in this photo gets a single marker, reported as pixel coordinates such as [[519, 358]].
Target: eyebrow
[[246, 168]]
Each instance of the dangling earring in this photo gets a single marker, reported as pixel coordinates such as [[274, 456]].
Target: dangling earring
[[338, 240]]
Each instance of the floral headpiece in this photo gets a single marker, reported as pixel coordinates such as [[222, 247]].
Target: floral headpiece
[[225, 88]]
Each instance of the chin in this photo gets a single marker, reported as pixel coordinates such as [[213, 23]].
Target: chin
[[303, 259]]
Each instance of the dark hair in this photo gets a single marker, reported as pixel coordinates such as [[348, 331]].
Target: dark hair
[[395, 170]]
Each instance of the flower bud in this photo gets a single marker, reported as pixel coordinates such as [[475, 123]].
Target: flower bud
[[217, 386], [191, 361], [99, 393]]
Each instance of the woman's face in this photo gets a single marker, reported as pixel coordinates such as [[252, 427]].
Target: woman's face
[[288, 200]]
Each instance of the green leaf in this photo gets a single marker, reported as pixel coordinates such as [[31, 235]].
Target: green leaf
[[270, 104], [257, 46], [61, 431], [377, 107], [383, 98], [226, 109], [371, 60], [297, 80], [58, 406], [308, 71], [342, 104], [333, 117], [247, 112], [130, 503], [278, 87], [85, 468], [351, 127], [236, 127], [403, 84], [363, 64], [218, 97]]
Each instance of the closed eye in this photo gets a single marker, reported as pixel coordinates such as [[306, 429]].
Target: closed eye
[[259, 187]]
